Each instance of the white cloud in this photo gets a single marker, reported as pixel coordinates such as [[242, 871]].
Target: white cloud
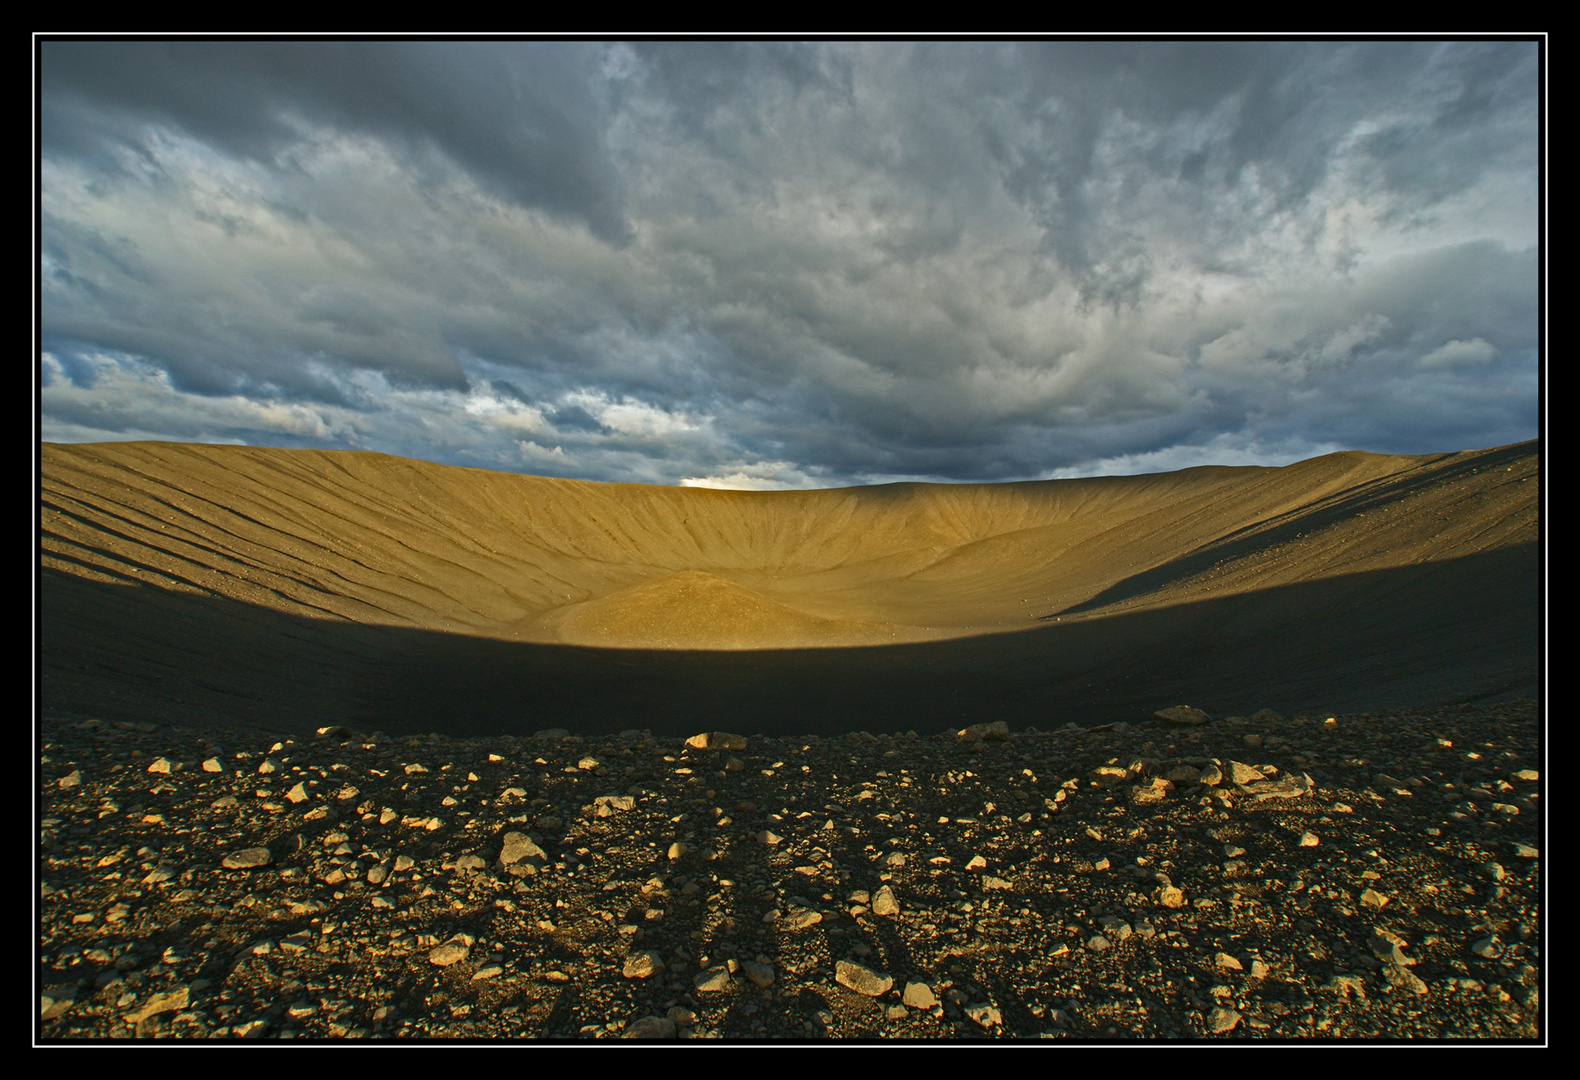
[[759, 476], [1459, 354]]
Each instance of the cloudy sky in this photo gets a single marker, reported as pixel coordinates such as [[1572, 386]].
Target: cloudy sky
[[788, 264]]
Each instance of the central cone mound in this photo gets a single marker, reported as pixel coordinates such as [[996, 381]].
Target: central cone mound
[[693, 609]]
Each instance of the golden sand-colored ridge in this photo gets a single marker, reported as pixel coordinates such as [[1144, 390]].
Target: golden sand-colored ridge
[[380, 540]]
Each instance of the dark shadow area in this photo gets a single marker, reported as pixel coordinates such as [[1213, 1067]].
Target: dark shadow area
[[1248, 541], [1421, 635]]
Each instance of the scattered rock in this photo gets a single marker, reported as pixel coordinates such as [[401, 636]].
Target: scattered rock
[[1153, 793], [517, 848], [451, 952], [713, 980], [984, 1015], [351, 907], [642, 965], [650, 1027], [247, 858], [1349, 986], [998, 729], [1183, 716], [167, 1001], [1220, 1020], [862, 979], [716, 740], [1403, 979], [1168, 896], [1242, 774]]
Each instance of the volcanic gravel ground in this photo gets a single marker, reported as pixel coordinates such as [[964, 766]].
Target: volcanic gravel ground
[[1368, 876]]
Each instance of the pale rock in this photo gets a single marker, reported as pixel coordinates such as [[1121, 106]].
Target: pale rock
[[642, 965], [169, 1001], [716, 740], [1488, 948], [1183, 715], [998, 729], [1243, 774], [1115, 929], [713, 980], [1221, 1020], [919, 995], [1389, 947], [1153, 793], [884, 902], [1168, 896], [516, 848], [247, 858], [650, 1027], [1351, 986], [451, 952], [862, 979], [55, 1000], [984, 1015], [1401, 979]]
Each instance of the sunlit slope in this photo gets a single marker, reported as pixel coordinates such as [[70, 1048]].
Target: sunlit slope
[[389, 541]]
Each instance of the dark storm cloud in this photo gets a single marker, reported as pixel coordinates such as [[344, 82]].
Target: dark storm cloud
[[525, 118], [789, 263]]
